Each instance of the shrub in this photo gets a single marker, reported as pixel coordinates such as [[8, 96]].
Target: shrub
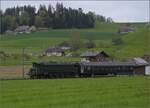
[[90, 44], [117, 41]]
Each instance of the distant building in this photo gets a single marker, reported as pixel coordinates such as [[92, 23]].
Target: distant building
[[142, 66], [147, 58], [25, 29], [22, 29], [126, 29], [54, 51], [94, 56]]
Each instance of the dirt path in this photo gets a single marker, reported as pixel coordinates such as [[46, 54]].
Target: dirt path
[[12, 71]]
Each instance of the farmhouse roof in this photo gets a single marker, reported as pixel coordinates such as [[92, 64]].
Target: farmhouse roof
[[58, 63], [22, 28], [93, 54], [126, 29], [54, 49], [140, 61]]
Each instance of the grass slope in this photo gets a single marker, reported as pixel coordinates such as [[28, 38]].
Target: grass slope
[[112, 92], [136, 44]]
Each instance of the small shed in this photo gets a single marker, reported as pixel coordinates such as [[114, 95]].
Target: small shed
[[94, 56], [147, 58], [126, 29], [141, 66], [54, 51]]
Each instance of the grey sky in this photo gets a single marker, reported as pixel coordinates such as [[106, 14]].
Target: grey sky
[[120, 11]]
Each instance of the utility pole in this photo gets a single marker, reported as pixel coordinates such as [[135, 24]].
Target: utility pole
[[23, 51]]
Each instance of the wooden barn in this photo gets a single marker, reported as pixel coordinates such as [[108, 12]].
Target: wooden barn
[[95, 56]]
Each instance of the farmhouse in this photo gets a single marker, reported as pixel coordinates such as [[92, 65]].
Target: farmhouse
[[141, 65], [25, 29], [94, 56], [54, 51], [147, 58], [22, 29], [126, 29]]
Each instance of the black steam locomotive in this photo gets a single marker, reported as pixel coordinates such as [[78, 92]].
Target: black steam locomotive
[[79, 69]]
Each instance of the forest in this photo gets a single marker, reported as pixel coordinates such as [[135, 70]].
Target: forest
[[58, 17]]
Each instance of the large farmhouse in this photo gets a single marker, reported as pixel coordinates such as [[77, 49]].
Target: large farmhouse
[[95, 56]]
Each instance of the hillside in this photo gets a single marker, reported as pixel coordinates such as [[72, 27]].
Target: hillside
[[135, 44]]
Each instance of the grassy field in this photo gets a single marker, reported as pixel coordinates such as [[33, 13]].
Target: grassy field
[[135, 44], [110, 92]]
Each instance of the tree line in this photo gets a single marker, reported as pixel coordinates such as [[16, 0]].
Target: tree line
[[56, 18]]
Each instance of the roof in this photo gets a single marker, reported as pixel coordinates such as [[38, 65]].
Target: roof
[[56, 63], [93, 54], [54, 49], [22, 28], [134, 62], [126, 29], [140, 61], [90, 54], [110, 63]]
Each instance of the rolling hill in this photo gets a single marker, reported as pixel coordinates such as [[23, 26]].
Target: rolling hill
[[135, 44]]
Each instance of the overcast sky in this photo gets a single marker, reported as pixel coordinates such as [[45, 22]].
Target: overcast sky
[[120, 11]]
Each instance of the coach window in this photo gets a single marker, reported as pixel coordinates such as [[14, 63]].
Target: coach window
[[88, 68]]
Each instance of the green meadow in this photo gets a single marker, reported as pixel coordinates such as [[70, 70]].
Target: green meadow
[[109, 92], [135, 44]]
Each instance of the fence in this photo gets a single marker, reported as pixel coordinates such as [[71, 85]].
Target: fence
[[15, 62]]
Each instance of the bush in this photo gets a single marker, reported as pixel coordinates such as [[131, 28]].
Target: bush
[[90, 44], [117, 41], [76, 42]]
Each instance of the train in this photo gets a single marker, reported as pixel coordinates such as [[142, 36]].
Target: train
[[44, 70]]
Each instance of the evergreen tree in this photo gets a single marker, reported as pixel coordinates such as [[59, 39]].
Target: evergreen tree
[[56, 18]]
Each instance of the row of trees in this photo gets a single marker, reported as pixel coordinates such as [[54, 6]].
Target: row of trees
[[58, 17]]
